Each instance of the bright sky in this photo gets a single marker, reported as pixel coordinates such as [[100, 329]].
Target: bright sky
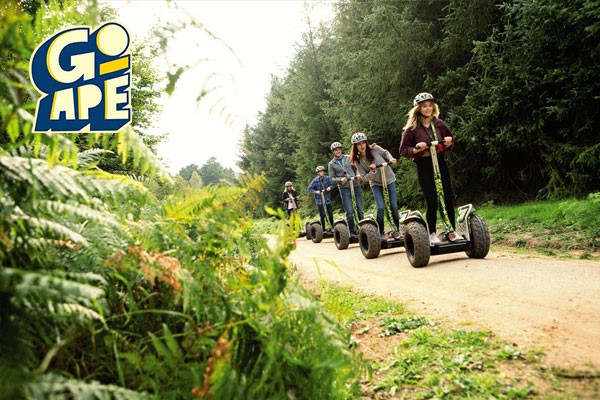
[[263, 35]]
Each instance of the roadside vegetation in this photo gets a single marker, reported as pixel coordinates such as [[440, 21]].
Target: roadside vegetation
[[419, 357], [118, 281], [566, 228]]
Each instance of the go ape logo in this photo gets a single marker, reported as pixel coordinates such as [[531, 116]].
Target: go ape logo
[[84, 79]]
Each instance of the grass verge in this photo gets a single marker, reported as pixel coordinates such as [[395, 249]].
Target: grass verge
[[566, 228], [412, 356]]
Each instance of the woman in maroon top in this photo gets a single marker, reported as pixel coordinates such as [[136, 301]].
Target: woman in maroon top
[[422, 127]]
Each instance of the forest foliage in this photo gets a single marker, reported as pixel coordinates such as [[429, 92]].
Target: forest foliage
[[516, 82], [118, 281]]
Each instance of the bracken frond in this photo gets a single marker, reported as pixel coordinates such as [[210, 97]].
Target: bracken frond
[[78, 311], [55, 148], [90, 158], [77, 210], [45, 227], [50, 386], [57, 181], [52, 291], [121, 183], [193, 203], [129, 142]]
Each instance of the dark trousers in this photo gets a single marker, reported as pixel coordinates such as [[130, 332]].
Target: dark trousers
[[427, 183], [322, 214]]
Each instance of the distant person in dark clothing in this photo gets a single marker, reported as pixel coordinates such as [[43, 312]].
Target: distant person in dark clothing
[[290, 199]]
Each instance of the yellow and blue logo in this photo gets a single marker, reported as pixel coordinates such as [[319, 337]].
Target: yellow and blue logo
[[84, 77]]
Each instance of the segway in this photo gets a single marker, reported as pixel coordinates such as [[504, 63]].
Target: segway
[[314, 230], [341, 230], [368, 234], [307, 230], [471, 236]]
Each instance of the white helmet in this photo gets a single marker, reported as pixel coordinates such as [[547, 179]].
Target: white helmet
[[422, 97], [358, 137], [319, 169], [288, 183], [335, 145]]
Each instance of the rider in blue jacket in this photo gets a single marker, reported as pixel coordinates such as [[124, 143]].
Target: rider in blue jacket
[[322, 184]]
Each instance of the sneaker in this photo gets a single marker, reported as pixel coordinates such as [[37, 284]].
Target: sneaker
[[433, 239], [383, 237]]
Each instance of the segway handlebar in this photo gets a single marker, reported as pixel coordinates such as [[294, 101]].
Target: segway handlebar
[[432, 143]]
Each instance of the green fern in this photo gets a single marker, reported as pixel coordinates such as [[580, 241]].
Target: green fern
[[78, 211], [100, 282], [52, 291], [51, 386], [88, 159], [44, 226], [59, 181]]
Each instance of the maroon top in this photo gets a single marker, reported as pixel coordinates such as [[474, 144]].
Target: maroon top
[[411, 137]]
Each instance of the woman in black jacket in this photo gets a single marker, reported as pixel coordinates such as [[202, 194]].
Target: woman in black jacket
[[289, 198]]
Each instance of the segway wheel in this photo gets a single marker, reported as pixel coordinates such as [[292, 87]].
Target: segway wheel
[[416, 243], [341, 236], [316, 233], [369, 240], [480, 237], [307, 230]]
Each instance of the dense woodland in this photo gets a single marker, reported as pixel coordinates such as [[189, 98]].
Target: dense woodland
[[516, 82]]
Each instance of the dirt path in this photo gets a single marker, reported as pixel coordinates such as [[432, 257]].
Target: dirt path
[[540, 303]]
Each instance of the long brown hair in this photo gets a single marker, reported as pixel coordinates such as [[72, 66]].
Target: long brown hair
[[355, 154]]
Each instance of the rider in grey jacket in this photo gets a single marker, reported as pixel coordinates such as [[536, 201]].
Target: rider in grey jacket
[[366, 157], [341, 174]]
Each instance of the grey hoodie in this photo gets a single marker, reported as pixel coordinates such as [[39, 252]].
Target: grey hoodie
[[337, 172], [380, 155]]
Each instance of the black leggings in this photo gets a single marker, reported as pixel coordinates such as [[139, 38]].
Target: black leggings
[[427, 183]]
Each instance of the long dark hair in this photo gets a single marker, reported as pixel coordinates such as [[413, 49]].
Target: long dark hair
[[355, 154]]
